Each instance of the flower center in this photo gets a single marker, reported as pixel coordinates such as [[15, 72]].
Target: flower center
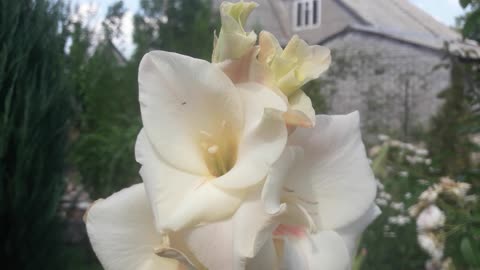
[[219, 149]]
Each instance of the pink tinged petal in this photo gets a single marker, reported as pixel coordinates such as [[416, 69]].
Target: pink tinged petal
[[287, 230], [180, 199], [122, 232], [301, 110], [352, 233], [247, 69], [324, 250], [334, 181], [181, 96]]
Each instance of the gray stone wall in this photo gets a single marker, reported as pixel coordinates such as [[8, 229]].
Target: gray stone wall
[[394, 85]]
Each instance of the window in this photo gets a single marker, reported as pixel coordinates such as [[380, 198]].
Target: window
[[306, 14]]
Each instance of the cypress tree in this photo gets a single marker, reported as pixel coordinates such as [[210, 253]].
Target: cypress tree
[[34, 113]]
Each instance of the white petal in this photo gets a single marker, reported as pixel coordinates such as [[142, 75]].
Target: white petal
[[322, 251], [316, 63], [300, 102], [273, 189], [181, 96], [212, 245], [264, 137], [334, 179], [122, 232], [352, 232], [266, 258], [231, 243], [181, 199]]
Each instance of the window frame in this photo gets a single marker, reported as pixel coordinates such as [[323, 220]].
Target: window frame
[[306, 22]]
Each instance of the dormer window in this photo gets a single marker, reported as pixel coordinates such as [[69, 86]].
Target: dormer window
[[306, 14]]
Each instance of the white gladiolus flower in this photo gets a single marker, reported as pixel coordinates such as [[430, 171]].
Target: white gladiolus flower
[[205, 140], [315, 212], [238, 172], [431, 218]]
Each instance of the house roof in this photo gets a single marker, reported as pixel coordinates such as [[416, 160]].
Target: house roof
[[401, 20], [398, 20]]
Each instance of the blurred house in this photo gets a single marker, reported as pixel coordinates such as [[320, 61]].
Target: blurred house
[[73, 205], [389, 57]]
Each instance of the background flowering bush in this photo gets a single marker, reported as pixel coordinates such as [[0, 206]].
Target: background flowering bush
[[430, 219]]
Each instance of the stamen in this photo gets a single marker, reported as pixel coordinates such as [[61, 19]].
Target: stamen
[[204, 133], [213, 149]]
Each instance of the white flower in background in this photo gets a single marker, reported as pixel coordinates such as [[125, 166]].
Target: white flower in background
[[458, 189], [403, 174], [431, 194], [381, 202], [374, 150], [431, 218], [399, 220], [385, 195], [380, 185], [383, 137], [421, 152], [399, 206], [431, 244]]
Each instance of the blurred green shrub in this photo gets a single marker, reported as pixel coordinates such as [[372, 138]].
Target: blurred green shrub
[[34, 118], [107, 115]]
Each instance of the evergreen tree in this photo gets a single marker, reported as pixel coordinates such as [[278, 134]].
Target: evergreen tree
[[183, 26], [34, 114], [449, 145]]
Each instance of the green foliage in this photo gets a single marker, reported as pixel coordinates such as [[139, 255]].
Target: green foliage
[[450, 147], [105, 84], [313, 89], [34, 115], [107, 109], [182, 26], [471, 26]]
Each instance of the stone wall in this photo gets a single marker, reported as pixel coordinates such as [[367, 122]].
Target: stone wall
[[393, 84]]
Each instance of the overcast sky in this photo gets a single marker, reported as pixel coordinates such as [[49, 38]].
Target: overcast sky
[[443, 10]]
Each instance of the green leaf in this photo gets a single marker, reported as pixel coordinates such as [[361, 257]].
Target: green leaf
[[469, 253], [378, 164], [465, 3]]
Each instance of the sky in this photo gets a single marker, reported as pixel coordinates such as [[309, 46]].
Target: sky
[[444, 11]]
